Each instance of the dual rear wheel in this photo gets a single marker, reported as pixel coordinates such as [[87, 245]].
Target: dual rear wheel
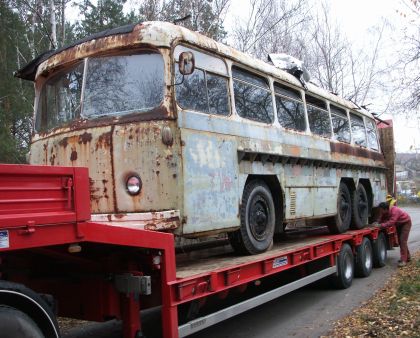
[[352, 211]]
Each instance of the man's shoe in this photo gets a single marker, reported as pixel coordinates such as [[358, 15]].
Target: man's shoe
[[401, 264]]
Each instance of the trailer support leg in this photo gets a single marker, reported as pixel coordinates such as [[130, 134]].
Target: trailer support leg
[[131, 316], [170, 321]]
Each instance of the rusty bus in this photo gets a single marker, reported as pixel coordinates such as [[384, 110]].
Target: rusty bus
[[184, 134]]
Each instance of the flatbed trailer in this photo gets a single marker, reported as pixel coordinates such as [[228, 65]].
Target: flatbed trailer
[[55, 261]]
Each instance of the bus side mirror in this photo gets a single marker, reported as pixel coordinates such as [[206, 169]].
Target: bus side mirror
[[186, 63]]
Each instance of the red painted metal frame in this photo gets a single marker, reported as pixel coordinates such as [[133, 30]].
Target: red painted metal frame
[[48, 228]]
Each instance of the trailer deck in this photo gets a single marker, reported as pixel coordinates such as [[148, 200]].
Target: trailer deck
[[49, 244]]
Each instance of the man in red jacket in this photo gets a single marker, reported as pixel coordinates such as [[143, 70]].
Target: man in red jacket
[[392, 215]]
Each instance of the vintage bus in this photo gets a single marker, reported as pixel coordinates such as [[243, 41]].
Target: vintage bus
[[184, 134]]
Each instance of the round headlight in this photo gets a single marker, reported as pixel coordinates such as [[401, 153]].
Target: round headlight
[[133, 185]]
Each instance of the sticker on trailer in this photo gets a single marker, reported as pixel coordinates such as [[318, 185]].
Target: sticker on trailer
[[4, 239], [280, 261]]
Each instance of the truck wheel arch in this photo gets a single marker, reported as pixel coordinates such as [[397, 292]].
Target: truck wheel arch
[[23, 299]]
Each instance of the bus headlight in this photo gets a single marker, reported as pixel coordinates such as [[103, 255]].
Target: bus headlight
[[133, 185]]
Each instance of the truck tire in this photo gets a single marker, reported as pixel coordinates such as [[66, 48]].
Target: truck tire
[[343, 218], [345, 268], [364, 259], [360, 208], [379, 251], [257, 220], [15, 323]]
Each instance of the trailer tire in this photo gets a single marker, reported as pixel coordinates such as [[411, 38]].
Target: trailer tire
[[364, 259], [15, 323], [257, 220], [379, 251], [343, 218], [360, 210], [345, 268]]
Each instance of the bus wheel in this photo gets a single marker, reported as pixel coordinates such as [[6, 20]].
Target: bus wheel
[[257, 220], [379, 251], [15, 323], [364, 259], [345, 268], [343, 218], [360, 208]]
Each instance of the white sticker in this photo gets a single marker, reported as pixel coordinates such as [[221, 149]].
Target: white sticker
[[280, 261], [4, 239]]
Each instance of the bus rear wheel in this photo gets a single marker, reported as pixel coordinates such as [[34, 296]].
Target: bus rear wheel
[[257, 220], [344, 206], [360, 208]]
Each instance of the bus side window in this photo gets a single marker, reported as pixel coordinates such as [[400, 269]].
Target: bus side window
[[252, 96], [358, 130], [290, 110], [371, 134], [340, 124], [203, 92], [319, 119]]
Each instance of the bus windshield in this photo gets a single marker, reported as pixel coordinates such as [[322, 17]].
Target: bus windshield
[[112, 85]]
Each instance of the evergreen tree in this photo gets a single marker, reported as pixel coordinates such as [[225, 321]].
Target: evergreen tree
[[16, 96], [105, 15]]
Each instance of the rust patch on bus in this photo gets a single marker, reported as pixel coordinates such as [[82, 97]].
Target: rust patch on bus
[[104, 141], [73, 155], [85, 138], [348, 149]]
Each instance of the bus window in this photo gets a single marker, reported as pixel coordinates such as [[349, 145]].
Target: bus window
[[340, 124], [290, 110], [371, 135], [123, 84], [358, 130], [252, 96], [319, 119], [204, 90], [60, 99]]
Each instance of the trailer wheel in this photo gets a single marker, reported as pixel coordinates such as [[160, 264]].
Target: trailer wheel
[[345, 268], [343, 218], [364, 259], [257, 220], [379, 251], [360, 208], [15, 323]]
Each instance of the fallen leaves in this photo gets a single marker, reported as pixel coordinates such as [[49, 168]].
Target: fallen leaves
[[394, 311]]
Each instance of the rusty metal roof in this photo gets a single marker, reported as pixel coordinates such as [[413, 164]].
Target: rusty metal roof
[[162, 34], [28, 71]]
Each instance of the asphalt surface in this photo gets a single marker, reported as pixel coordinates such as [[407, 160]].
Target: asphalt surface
[[307, 312]]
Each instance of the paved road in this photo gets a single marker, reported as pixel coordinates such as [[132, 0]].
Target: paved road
[[308, 312]]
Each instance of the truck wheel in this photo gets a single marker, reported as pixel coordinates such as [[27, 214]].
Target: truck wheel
[[379, 251], [15, 323], [345, 268], [343, 218], [364, 259], [257, 220], [360, 208]]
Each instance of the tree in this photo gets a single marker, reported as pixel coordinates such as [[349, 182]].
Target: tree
[[272, 26], [204, 16], [104, 15], [15, 96]]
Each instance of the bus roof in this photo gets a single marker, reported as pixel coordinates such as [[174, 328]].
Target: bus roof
[[161, 34]]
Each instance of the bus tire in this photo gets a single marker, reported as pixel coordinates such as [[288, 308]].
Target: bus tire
[[364, 259], [345, 268], [379, 251], [343, 218], [257, 220], [360, 208], [15, 323]]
